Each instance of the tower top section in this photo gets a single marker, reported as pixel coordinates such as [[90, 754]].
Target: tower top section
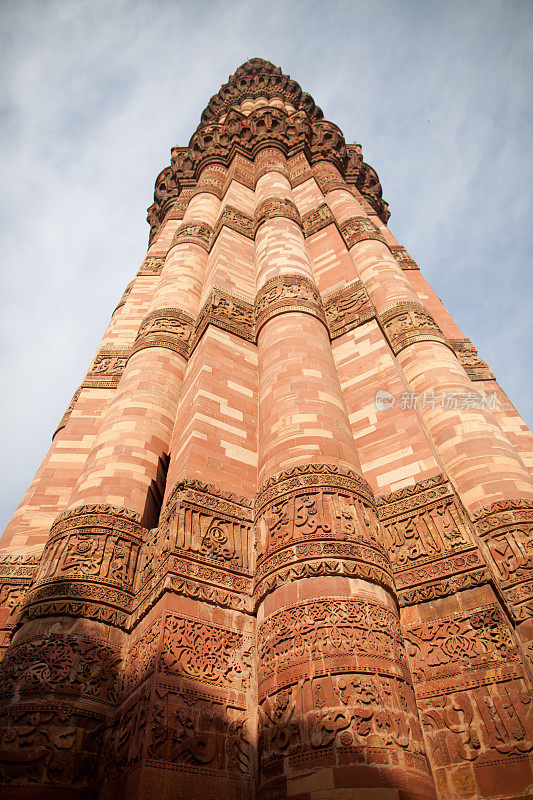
[[260, 107], [255, 79]]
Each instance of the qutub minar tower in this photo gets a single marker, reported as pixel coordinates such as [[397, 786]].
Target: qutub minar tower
[[279, 545]]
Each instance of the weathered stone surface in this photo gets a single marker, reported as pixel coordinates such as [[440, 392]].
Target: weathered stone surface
[[280, 546]]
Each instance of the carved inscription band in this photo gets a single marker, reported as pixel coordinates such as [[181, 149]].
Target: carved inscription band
[[506, 528], [287, 293], [193, 233], [167, 327], [430, 542], [276, 207], [409, 322], [88, 566], [228, 312], [317, 520]]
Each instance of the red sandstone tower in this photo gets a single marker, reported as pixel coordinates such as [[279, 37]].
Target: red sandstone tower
[[279, 545]]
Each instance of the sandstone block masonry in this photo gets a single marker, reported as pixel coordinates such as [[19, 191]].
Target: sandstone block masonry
[[280, 546]]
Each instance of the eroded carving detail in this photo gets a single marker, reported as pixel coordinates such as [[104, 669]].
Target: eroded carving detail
[[232, 218], [348, 308], [192, 232], [228, 312], [66, 416], [167, 327], [106, 370], [276, 207], [405, 323], [403, 258], [357, 229], [152, 265], [473, 365], [315, 220], [506, 528], [287, 293]]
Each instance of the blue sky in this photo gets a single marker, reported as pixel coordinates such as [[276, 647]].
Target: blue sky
[[95, 92]]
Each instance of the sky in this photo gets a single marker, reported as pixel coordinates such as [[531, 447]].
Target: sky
[[95, 92]]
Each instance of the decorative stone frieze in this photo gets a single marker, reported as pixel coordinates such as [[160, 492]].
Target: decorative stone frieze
[[106, 370], [409, 322], [328, 179], [201, 548], [276, 207], [193, 233], [228, 312], [166, 327], [430, 542], [317, 520], [17, 572], [88, 566], [473, 365], [152, 265], [287, 293], [506, 528], [402, 257], [236, 220], [357, 229], [316, 220], [348, 308]]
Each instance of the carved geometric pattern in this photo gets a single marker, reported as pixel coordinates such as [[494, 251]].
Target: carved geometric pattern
[[91, 555], [152, 265], [348, 308], [357, 229], [62, 663], [402, 257], [228, 312], [430, 542], [17, 572], [328, 180], [106, 370], [315, 220], [276, 207], [232, 218], [166, 327], [349, 625], [506, 528], [201, 548], [205, 652], [284, 294], [193, 233], [474, 700], [408, 322], [473, 365], [313, 522]]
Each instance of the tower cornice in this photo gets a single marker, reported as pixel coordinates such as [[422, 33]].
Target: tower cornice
[[279, 114]]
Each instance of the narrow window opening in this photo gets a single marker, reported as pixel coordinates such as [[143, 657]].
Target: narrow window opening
[[156, 492]]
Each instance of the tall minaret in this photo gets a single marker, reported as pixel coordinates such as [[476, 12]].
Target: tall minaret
[[280, 544]]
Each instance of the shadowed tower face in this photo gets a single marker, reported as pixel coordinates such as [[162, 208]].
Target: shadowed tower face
[[279, 545]]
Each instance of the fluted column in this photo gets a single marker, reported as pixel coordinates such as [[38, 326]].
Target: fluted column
[[76, 614], [331, 667], [485, 468]]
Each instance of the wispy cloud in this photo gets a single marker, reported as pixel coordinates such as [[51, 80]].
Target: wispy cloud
[[95, 93]]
